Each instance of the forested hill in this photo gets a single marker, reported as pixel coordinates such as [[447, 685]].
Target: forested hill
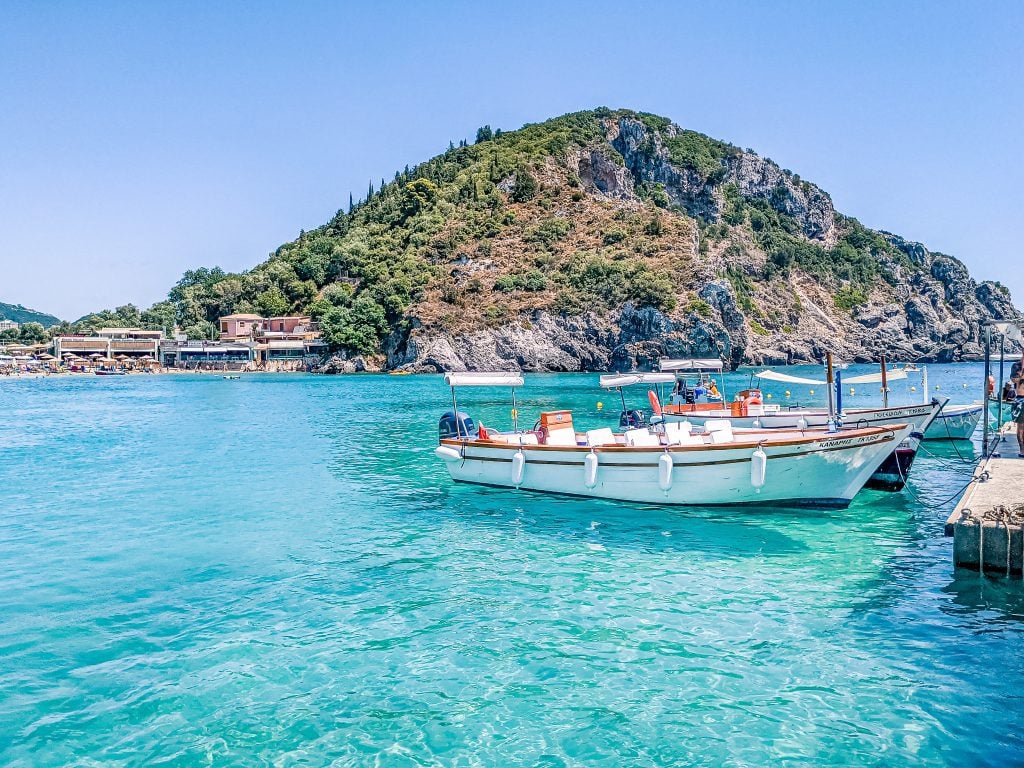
[[602, 239], [20, 314]]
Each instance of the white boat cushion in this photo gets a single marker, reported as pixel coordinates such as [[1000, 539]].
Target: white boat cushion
[[641, 438], [680, 437], [686, 439], [524, 438], [722, 435], [673, 428], [603, 436], [561, 437], [713, 425]]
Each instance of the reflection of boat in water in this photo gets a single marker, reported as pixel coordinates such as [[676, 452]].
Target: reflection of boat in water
[[667, 463]]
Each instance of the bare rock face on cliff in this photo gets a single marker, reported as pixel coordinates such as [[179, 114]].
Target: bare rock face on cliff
[[609, 239]]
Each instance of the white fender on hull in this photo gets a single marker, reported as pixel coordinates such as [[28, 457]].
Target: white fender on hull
[[518, 467], [446, 453], [665, 466], [758, 467], [590, 470]]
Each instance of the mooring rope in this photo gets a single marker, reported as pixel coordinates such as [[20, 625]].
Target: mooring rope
[[906, 486]]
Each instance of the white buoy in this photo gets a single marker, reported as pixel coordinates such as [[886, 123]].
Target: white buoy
[[518, 467], [590, 470], [801, 423], [758, 466], [665, 465], [447, 453]]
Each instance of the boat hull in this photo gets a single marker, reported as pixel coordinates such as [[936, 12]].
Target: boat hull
[[956, 422], [891, 475], [823, 471]]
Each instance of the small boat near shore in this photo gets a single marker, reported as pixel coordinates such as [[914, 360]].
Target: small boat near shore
[[670, 463]]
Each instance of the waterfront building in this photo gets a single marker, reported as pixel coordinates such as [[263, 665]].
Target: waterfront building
[[110, 342], [195, 354], [8, 325], [286, 337], [239, 327]]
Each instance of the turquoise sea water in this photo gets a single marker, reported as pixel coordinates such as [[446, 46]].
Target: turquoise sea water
[[277, 571]]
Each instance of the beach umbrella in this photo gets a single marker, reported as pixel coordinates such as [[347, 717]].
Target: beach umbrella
[[106, 360], [45, 356], [147, 359], [96, 355]]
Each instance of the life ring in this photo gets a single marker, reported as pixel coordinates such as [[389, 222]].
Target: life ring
[[754, 398], [652, 397]]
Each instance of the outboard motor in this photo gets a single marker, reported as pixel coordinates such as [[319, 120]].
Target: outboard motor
[[632, 419], [449, 428]]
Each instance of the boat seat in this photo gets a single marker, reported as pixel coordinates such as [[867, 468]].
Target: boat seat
[[561, 437], [520, 438], [641, 438], [673, 428], [720, 436], [714, 425], [684, 438], [679, 434], [603, 436]]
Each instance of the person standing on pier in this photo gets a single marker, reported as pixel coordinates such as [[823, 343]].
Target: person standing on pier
[[1017, 410]]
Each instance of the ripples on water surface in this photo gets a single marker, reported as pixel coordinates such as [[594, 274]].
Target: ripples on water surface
[[276, 570]]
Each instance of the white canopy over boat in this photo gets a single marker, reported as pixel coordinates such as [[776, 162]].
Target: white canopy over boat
[[785, 377], [692, 364], [483, 379], [867, 378], [1009, 330], [616, 380], [876, 378]]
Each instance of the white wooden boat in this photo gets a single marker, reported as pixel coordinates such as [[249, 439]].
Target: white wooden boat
[[664, 464], [749, 413], [955, 422]]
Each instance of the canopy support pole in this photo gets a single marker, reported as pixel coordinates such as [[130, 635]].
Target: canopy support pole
[[885, 384], [830, 380], [515, 412], [458, 421]]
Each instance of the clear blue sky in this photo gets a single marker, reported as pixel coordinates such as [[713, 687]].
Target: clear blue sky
[[138, 140]]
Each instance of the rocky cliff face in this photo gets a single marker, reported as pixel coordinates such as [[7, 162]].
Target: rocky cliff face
[[924, 306]]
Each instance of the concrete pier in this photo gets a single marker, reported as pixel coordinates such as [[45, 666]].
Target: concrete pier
[[987, 525]]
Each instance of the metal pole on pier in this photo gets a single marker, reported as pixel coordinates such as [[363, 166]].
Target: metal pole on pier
[[988, 372], [1002, 355]]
